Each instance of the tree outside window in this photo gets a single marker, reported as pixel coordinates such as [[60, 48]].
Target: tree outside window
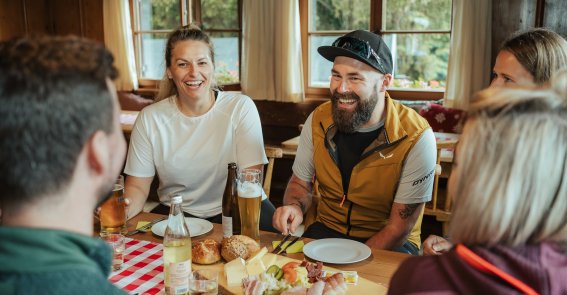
[[155, 19], [418, 33]]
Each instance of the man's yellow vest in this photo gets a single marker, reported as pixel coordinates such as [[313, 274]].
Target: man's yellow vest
[[374, 179]]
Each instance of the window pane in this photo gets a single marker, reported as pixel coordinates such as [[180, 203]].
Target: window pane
[[417, 14], [227, 57], [151, 50], [159, 14], [420, 60], [331, 15], [319, 67], [219, 14]]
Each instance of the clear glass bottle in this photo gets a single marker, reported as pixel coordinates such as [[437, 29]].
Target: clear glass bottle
[[230, 212], [176, 250]]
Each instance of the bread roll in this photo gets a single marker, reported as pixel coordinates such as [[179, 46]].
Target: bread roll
[[238, 246], [206, 252]]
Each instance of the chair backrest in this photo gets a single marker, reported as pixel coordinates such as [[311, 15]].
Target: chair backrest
[[272, 153], [442, 213]]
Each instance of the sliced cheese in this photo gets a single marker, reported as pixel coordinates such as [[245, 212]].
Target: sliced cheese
[[258, 256], [269, 259], [235, 272], [255, 268]]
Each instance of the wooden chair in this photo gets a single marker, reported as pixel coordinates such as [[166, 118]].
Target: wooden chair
[[272, 153], [442, 213]]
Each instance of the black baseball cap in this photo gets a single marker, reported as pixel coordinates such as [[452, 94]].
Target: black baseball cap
[[364, 46]]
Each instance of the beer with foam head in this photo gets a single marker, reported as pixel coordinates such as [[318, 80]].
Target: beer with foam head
[[113, 211], [249, 202]]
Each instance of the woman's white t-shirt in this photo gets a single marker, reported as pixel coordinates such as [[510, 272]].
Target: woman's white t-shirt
[[191, 154]]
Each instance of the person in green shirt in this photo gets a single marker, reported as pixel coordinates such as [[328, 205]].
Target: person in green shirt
[[61, 149]]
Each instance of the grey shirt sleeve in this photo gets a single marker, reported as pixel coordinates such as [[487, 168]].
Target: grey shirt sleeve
[[303, 166], [418, 172]]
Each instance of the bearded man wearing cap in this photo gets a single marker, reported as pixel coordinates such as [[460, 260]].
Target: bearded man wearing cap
[[372, 157]]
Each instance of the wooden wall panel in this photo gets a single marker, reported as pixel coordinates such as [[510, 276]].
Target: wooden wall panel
[[57, 17], [93, 20], [12, 21], [509, 16], [37, 16], [66, 17], [555, 16]]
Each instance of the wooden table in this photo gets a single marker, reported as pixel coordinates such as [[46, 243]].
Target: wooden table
[[378, 268], [127, 119]]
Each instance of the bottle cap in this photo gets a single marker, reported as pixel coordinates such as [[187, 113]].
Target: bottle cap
[[176, 199]]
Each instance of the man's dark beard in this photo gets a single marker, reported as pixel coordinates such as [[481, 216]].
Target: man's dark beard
[[349, 122]]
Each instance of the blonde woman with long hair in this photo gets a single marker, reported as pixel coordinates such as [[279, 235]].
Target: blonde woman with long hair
[[192, 132], [509, 188], [527, 58]]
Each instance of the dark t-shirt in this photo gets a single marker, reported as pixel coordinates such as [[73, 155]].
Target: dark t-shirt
[[350, 147]]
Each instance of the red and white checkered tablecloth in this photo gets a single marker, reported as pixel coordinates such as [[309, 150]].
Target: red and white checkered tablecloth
[[142, 271]]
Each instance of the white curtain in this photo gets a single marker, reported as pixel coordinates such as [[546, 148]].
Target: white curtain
[[469, 60], [271, 66], [118, 39]]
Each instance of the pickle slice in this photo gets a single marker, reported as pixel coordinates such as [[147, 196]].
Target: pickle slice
[[273, 269]]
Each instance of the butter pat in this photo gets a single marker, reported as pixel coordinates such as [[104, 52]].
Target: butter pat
[[351, 277], [255, 268], [235, 272], [141, 224]]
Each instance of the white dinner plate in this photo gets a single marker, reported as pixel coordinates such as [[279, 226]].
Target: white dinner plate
[[336, 251], [197, 226]]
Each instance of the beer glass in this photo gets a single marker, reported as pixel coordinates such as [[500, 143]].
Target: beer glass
[[249, 199], [113, 210]]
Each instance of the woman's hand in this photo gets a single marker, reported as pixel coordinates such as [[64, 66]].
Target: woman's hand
[[436, 245]]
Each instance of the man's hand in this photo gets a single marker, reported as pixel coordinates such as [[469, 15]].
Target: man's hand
[[436, 245], [287, 218]]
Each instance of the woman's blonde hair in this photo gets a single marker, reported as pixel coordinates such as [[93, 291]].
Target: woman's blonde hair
[[540, 51], [511, 187], [191, 32]]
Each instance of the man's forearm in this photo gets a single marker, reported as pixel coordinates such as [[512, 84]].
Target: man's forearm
[[298, 193], [402, 220], [390, 237]]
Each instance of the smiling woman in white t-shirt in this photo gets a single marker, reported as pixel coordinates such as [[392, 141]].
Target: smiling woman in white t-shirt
[[191, 133]]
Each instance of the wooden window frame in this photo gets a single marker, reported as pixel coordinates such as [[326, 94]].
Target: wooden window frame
[[375, 26], [190, 11]]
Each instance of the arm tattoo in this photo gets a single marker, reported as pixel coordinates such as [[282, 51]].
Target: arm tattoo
[[408, 210]]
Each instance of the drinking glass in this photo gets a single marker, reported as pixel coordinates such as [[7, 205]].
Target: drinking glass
[[204, 281], [117, 242], [249, 202], [113, 210]]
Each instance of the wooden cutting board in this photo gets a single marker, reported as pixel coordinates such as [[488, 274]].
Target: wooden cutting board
[[364, 286]]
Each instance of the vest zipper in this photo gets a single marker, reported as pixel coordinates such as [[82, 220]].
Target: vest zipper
[[348, 219], [348, 226], [331, 152]]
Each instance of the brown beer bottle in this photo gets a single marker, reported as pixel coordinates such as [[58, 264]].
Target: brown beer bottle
[[230, 213]]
